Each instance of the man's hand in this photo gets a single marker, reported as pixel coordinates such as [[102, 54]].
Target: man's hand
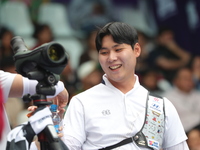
[[61, 100], [61, 96]]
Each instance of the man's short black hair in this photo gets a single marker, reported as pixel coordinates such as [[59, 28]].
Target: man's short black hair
[[121, 33]]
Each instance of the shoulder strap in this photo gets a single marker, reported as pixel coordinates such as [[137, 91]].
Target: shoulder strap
[[153, 128], [125, 141], [138, 138]]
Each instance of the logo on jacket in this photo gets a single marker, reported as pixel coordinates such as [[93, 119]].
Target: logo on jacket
[[154, 144], [106, 112]]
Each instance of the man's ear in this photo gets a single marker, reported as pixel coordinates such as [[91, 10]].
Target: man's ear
[[137, 49]]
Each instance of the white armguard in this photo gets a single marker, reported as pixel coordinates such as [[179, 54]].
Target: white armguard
[[30, 87], [59, 88]]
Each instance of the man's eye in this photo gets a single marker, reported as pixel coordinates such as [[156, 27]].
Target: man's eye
[[103, 53], [117, 50]]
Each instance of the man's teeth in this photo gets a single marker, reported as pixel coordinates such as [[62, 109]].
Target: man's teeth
[[115, 67]]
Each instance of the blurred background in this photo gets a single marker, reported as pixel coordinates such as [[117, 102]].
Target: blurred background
[[168, 30]]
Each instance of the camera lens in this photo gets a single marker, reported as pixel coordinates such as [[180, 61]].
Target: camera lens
[[53, 54], [56, 53]]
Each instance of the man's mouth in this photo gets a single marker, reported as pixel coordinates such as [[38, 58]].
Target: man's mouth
[[115, 67]]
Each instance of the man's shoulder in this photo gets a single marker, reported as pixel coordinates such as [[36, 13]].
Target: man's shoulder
[[97, 89]]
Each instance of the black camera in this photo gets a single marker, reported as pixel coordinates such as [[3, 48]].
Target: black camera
[[44, 64], [50, 56]]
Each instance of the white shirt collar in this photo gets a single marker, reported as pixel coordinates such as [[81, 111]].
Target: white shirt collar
[[107, 82]]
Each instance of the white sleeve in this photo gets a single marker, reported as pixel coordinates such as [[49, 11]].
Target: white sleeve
[[74, 133], [182, 146], [6, 80], [72, 143], [174, 132]]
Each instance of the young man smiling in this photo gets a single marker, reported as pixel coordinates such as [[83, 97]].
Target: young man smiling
[[119, 110]]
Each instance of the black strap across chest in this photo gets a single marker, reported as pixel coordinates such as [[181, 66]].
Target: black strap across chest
[[136, 138]]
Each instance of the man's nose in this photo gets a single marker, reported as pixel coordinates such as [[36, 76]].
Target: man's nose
[[112, 57]]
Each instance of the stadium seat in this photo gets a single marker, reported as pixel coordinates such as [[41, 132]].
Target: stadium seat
[[55, 15], [15, 16]]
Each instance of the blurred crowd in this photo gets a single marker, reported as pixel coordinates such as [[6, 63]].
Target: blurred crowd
[[169, 35]]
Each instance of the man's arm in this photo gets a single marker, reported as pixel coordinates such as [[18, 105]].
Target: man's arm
[[21, 86], [16, 89]]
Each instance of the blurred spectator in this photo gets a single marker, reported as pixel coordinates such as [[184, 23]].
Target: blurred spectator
[[6, 52], [196, 71], [196, 26], [42, 34], [8, 65], [89, 74], [147, 45], [150, 79], [168, 56], [86, 14], [90, 52], [70, 79], [194, 139], [173, 14], [185, 98]]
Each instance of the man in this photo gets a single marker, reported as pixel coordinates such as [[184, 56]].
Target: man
[[14, 85], [115, 109], [185, 99], [167, 56]]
